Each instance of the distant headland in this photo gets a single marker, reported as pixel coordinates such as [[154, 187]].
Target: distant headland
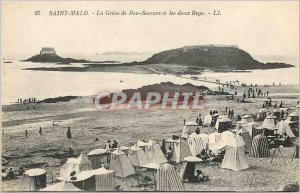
[[211, 56]]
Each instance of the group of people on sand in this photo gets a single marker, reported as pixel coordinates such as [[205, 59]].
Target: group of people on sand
[[111, 144], [253, 93], [10, 173], [28, 100], [229, 112]]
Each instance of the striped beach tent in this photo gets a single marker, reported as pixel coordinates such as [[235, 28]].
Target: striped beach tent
[[61, 187], [196, 144], [121, 164], [98, 157], [234, 158], [137, 156], [99, 179], [259, 146], [167, 179], [33, 180]]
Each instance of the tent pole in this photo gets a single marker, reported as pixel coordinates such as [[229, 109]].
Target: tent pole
[[281, 155], [121, 167], [294, 155], [251, 181]]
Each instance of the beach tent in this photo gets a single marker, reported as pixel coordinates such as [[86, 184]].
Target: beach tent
[[154, 153], [269, 122], [64, 186], [189, 167], [121, 164], [204, 137], [98, 157], [141, 143], [234, 158], [33, 180], [196, 144], [262, 113], [259, 146], [283, 127], [247, 119], [223, 123], [137, 156], [189, 128], [276, 113], [246, 138], [167, 179], [99, 179], [214, 137], [293, 117], [180, 149], [207, 120], [82, 163]]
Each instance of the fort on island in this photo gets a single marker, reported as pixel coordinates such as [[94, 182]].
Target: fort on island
[[47, 50]]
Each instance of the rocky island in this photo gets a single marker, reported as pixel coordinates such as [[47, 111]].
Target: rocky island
[[211, 56]]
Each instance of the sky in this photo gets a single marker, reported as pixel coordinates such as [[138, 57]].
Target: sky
[[258, 27]]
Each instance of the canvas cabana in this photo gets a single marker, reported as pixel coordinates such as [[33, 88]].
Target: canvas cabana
[[246, 138], [98, 157], [64, 186], [180, 149], [154, 153], [283, 127], [259, 146], [207, 120], [247, 119], [99, 179], [33, 180], [223, 123], [261, 114], [293, 117], [189, 128], [137, 156], [82, 163], [189, 167], [276, 113], [269, 122], [214, 137], [167, 179], [121, 164], [234, 158], [196, 144]]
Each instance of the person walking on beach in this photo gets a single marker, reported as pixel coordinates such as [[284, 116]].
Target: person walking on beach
[[26, 133], [40, 131], [267, 93], [226, 110], [71, 152], [280, 106], [69, 134], [115, 144]]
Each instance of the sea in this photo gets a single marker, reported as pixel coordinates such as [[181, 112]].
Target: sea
[[18, 83]]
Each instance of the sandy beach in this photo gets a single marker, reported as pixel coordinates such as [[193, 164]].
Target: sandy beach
[[128, 126]]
